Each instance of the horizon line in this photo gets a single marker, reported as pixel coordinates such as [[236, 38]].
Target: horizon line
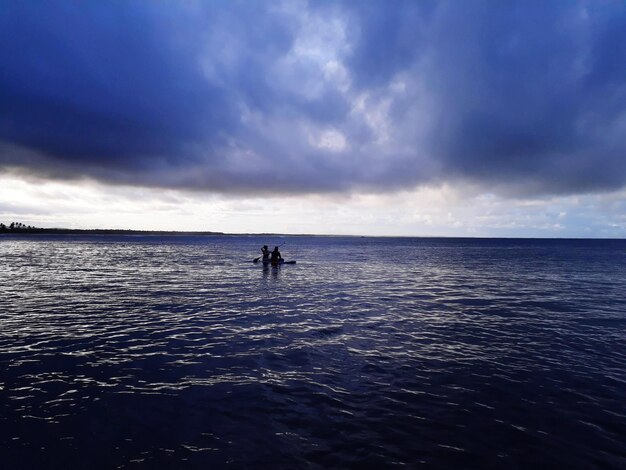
[[118, 231]]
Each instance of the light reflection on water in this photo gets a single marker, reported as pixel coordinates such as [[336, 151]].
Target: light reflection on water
[[179, 352]]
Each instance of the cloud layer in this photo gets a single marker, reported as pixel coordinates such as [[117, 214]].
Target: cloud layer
[[296, 97]]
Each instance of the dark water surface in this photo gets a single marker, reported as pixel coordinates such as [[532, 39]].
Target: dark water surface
[[174, 352]]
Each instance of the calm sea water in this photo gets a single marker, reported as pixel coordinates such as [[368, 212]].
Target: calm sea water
[[178, 352]]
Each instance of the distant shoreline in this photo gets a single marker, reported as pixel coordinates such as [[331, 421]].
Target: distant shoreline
[[173, 233], [71, 231], [126, 232]]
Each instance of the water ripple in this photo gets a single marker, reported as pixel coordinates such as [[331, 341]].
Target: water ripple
[[178, 352]]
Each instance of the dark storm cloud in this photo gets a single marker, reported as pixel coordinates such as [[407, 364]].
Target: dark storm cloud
[[327, 96], [534, 95]]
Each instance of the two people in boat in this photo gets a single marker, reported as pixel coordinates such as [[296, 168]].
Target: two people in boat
[[273, 257]]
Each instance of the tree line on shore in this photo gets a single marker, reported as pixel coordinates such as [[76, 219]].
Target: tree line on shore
[[18, 227]]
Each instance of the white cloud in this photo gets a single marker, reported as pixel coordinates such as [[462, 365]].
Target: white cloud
[[428, 211], [330, 139]]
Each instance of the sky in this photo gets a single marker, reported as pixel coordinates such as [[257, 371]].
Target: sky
[[429, 118]]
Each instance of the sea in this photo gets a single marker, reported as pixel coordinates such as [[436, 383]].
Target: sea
[[179, 352]]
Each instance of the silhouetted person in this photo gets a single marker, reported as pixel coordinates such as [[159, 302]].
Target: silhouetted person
[[276, 258], [266, 253]]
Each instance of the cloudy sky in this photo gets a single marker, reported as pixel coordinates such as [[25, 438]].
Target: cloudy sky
[[479, 118]]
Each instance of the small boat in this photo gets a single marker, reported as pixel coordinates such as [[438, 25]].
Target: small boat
[[268, 262]]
